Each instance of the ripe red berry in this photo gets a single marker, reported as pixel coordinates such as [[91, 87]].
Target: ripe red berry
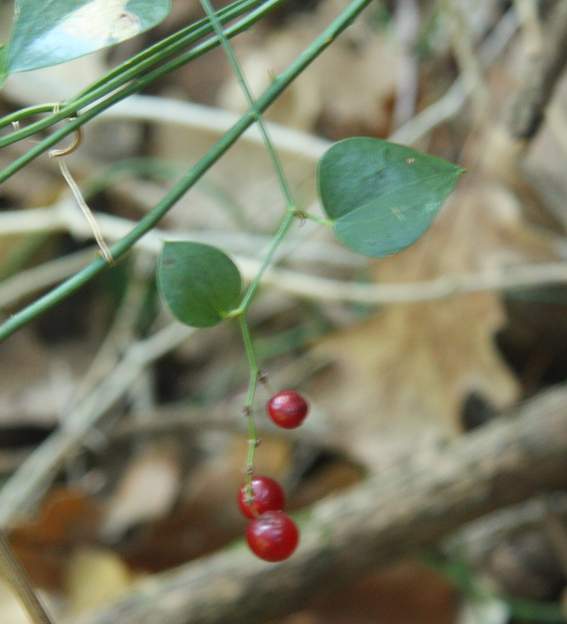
[[268, 496], [273, 536], [287, 409]]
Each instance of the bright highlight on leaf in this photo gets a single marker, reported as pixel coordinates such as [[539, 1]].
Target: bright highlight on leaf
[[382, 196], [48, 32], [199, 283]]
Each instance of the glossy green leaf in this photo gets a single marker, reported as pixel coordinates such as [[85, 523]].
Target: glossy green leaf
[[48, 32], [380, 196], [199, 283]]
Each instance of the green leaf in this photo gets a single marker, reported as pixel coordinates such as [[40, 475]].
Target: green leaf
[[199, 283], [380, 196], [48, 32]]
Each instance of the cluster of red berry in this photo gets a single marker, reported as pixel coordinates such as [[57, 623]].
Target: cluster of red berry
[[272, 535]]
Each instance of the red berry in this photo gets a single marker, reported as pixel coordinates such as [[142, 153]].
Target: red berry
[[268, 496], [272, 536], [287, 409]]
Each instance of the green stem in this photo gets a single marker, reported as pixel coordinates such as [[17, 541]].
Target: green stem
[[249, 402], [282, 230], [71, 285], [173, 43], [311, 217], [107, 87], [280, 234], [231, 55], [24, 113]]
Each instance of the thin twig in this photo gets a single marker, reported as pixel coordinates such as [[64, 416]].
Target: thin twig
[[20, 492], [120, 334], [31, 281], [60, 154], [527, 110], [505, 277], [18, 580], [463, 45], [62, 217], [450, 104], [407, 29], [85, 209], [531, 25]]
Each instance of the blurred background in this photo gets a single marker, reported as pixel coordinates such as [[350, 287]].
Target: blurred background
[[396, 375]]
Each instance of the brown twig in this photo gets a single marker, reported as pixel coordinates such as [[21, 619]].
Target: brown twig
[[527, 109], [18, 581], [373, 524], [21, 490]]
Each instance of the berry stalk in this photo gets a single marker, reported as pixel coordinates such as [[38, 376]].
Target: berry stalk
[[248, 409]]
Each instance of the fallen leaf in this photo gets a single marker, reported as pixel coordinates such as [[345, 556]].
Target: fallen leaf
[[68, 517], [146, 491], [415, 364], [360, 102]]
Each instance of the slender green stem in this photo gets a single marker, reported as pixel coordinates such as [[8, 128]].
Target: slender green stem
[[173, 43], [316, 219], [249, 402], [283, 229], [280, 234], [71, 285], [17, 579], [24, 113], [137, 85], [235, 64], [108, 86]]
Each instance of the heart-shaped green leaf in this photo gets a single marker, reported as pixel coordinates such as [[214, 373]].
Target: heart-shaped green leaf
[[382, 196], [48, 32], [199, 283]]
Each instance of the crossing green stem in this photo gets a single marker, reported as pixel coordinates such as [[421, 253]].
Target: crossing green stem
[[120, 248]]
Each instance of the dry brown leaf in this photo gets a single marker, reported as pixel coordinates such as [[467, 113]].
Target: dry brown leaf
[[366, 64], [67, 518], [37, 380], [146, 491], [33, 387], [402, 375]]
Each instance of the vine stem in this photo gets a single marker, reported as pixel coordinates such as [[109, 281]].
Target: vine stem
[[120, 75], [291, 213], [24, 113], [117, 95], [237, 69], [282, 230], [248, 409], [18, 580], [251, 354], [120, 248]]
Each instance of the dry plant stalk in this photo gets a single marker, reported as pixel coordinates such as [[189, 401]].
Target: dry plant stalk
[[17, 579], [76, 191]]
